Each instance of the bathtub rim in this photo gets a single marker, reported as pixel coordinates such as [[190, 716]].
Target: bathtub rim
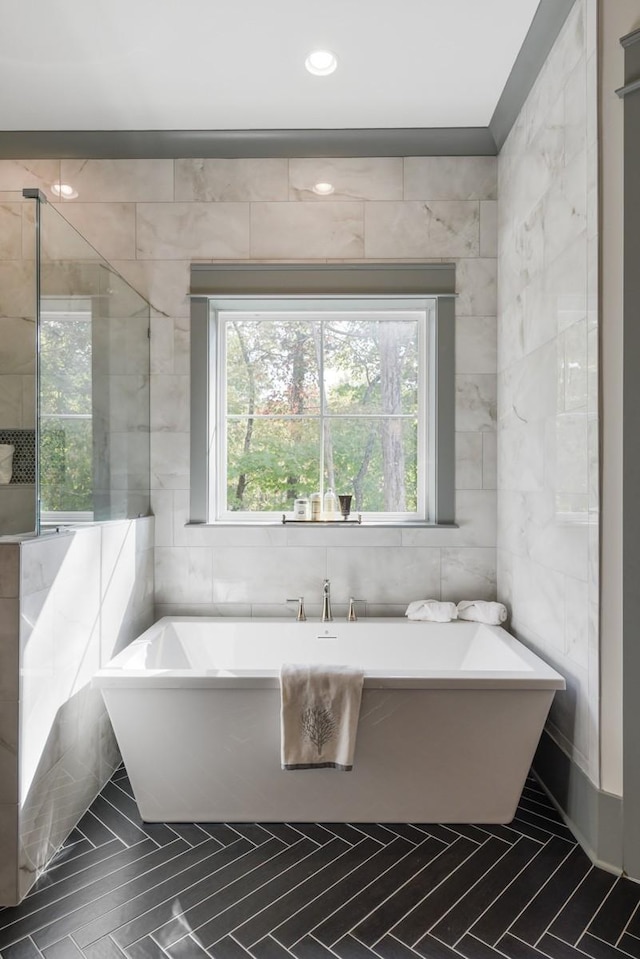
[[538, 674]]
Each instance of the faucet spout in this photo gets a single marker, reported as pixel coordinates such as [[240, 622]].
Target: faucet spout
[[326, 602]]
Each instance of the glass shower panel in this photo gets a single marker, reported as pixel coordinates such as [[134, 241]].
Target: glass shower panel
[[94, 383], [17, 364]]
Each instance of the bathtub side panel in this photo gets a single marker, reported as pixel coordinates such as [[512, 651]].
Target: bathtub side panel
[[421, 756]]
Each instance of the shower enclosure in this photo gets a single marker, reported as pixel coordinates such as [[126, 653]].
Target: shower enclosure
[[74, 378]]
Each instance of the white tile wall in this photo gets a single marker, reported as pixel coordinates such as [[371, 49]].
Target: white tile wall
[[155, 216], [52, 640], [547, 385]]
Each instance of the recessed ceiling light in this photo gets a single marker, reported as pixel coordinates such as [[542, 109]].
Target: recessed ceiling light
[[64, 190], [321, 63], [323, 189]]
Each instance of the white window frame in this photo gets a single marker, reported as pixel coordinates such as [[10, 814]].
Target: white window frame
[[314, 310], [218, 289]]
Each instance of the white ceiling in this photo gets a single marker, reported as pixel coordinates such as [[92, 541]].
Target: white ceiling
[[239, 64]]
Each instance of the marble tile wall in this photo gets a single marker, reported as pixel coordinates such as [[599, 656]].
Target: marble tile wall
[[52, 640], [17, 345], [548, 497], [153, 217]]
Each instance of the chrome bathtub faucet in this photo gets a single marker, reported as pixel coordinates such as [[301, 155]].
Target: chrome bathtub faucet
[[326, 602], [300, 613]]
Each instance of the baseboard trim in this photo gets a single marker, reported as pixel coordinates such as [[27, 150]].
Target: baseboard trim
[[594, 816]]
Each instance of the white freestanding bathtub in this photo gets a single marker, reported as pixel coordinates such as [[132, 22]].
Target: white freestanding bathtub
[[451, 715]]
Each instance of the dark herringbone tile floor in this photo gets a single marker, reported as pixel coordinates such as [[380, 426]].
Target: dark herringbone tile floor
[[123, 889]]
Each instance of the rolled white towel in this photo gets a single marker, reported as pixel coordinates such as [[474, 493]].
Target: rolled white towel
[[481, 611], [431, 611]]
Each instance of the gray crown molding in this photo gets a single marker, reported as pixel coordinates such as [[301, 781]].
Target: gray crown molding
[[231, 144], [543, 32], [630, 38]]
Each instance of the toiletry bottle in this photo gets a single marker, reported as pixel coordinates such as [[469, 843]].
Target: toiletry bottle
[[301, 508], [330, 504], [316, 506]]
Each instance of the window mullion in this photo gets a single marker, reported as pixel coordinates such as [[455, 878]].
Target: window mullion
[[322, 404]]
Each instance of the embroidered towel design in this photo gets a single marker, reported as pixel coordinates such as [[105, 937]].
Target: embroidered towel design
[[319, 716]]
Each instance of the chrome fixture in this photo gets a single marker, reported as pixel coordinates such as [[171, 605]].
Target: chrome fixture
[[351, 615], [326, 602], [300, 614]]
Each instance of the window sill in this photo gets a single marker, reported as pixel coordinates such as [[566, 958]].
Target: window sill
[[323, 524]]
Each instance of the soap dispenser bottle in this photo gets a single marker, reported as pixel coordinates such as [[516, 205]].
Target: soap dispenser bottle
[[330, 504]]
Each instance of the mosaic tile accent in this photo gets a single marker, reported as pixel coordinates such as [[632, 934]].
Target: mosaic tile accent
[[24, 454]]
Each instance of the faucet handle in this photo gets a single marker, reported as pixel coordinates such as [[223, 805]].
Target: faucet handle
[[351, 615], [301, 616]]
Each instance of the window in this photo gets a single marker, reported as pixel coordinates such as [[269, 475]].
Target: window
[[293, 395], [66, 419]]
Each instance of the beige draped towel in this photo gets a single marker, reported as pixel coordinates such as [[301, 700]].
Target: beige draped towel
[[320, 706]]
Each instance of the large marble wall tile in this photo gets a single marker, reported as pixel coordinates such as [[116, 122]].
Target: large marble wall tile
[[170, 460], [109, 227], [11, 401], [17, 288], [17, 345], [18, 174], [476, 408], [469, 461], [10, 231], [179, 231], [538, 601], [214, 180], [567, 51], [450, 178], [529, 388], [435, 228], [468, 574], [476, 287], [163, 514], [489, 228], [489, 460], [394, 575], [521, 457], [17, 508], [547, 446], [170, 406], [296, 230], [184, 574], [348, 538], [476, 344], [9, 658], [9, 860], [352, 178], [164, 283], [264, 575], [475, 519], [116, 181], [9, 570], [575, 111]]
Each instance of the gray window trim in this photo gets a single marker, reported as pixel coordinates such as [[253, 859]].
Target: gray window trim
[[435, 281]]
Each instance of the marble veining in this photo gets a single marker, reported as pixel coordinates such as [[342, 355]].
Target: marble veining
[[547, 385]]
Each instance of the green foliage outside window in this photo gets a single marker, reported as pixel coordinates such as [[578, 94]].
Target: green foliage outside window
[[334, 395], [66, 434]]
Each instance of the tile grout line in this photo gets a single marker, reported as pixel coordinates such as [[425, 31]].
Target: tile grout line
[[289, 891], [501, 893], [445, 879], [564, 906], [84, 886], [397, 889], [628, 922], [238, 879], [320, 895], [538, 889]]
